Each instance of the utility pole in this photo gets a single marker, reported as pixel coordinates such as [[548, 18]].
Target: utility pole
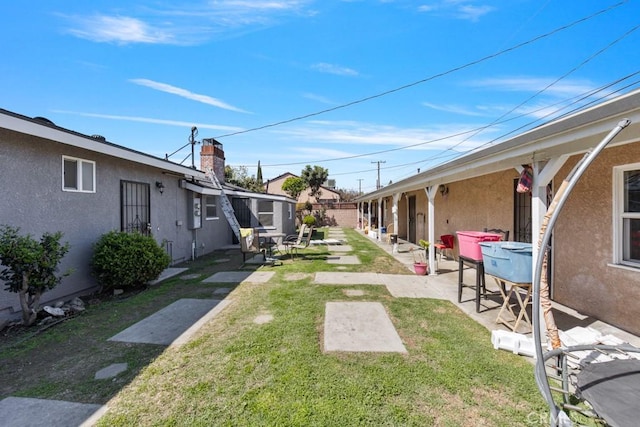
[[378, 181], [360, 185], [192, 141]]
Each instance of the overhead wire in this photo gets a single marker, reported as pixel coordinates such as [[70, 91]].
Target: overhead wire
[[430, 78]]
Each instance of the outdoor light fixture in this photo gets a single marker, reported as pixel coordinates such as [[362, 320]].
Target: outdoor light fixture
[[444, 190], [160, 186]]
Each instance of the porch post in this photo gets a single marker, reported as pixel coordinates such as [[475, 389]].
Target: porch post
[[431, 228], [543, 173], [369, 214], [379, 235], [394, 211]]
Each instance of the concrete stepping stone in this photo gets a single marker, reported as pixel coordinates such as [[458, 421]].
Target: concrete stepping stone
[[221, 260], [292, 277], [190, 276], [340, 248], [346, 278], [111, 371], [262, 319], [174, 324], [360, 327], [240, 277], [222, 291], [167, 273], [343, 259], [26, 411], [353, 292]]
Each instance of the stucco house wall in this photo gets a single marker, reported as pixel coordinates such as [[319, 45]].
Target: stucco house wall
[[274, 186], [585, 277], [34, 201]]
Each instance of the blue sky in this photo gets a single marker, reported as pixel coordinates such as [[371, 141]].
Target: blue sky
[[410, 83]]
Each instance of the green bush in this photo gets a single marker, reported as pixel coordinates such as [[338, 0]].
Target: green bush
[[309, 220], [30, 266], [127, 260]]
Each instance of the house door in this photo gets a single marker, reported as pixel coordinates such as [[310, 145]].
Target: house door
[[522, 216], [522, 224], [135, 209], [412, 219]]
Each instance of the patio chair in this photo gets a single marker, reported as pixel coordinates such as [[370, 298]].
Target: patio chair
[[249, 242], [445, 243], [294, 239], [389, 232], [304, 243], [505, 233]]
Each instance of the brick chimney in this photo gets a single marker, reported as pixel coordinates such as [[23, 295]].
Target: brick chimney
[[212, 158]]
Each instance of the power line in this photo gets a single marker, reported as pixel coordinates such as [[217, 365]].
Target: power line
[[432, 77]]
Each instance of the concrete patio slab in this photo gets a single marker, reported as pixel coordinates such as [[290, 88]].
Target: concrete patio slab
[[345, 278], [174, 324], [240, 276], [25, 411], [360, 327], [343, 259]]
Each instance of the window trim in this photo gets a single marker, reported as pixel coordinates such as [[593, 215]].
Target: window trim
[[272, 213], [207, 204], [79, 174], [619, 215]]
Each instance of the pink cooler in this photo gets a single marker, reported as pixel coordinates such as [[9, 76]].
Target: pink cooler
[[468, 243]]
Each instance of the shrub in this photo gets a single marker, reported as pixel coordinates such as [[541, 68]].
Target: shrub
[[127, 260], [309, 220], [30, 267]]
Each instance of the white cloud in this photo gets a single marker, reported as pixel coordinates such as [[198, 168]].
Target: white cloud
[[319, 98], [150, 120], [186, 24], [448, 108], [458, 9], [562, 88], [120, 29], [370, 134], [205, 99], [324, 67]]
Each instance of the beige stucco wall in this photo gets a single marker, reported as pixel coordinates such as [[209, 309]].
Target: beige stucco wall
[[584, 278], [473, 204]]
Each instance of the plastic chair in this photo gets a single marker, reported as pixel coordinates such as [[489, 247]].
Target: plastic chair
[[446, 242], [249, 242]]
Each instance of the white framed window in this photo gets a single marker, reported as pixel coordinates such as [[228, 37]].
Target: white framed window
[[626, 181], [211, 207], [78, 175], [265, 213]]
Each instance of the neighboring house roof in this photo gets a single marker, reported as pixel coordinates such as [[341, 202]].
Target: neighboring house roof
[[45, 129], [570, 135]]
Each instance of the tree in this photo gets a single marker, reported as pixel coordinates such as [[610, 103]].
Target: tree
[[31, 267], [294, 186], [239, 176], [314, 177], [259, 175], [347, 195]]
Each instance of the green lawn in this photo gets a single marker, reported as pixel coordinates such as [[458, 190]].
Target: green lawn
[[237, 372]]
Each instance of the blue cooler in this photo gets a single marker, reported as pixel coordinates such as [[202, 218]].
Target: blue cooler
[[508, 260]]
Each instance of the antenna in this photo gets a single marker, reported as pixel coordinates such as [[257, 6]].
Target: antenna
[[193, 142]]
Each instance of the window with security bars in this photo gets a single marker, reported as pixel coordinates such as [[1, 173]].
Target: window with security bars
[[135, 207]]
